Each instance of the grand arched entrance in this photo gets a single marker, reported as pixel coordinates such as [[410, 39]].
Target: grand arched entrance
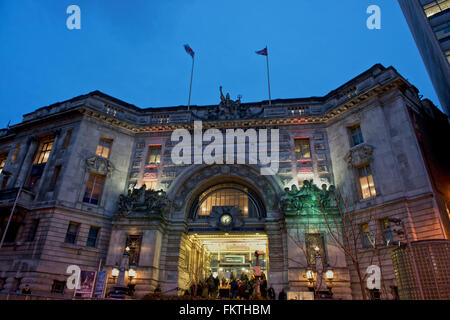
[[229, 213]]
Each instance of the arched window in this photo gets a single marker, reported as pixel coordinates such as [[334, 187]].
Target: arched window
[[228, 194]]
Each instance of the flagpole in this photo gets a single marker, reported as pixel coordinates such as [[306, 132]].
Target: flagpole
[[190, 87], [268, 76]]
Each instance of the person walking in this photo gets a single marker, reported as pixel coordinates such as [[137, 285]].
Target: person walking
[[271, 293], [26, 290], [282, 295]]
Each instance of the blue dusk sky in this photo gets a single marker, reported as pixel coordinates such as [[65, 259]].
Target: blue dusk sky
[[133, 50]]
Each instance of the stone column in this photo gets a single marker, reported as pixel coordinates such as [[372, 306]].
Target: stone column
[[26, 161]]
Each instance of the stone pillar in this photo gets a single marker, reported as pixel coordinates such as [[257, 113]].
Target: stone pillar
[[26, 161]]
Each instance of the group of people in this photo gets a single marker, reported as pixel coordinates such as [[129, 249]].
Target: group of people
[[234, 288]]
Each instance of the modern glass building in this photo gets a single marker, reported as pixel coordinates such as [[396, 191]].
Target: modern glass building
[[429, 21]]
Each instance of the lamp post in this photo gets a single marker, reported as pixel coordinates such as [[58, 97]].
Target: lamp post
[[115, 272], [329, 275]]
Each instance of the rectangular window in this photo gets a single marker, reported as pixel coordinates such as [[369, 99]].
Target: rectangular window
[[16, 152], [92, 237], [366, 182], [3, 157], [58, 287], [365, 236], [436, 6], [94, 189], [67, 139], [154, 155], [72, 232], [388, 237], [104, 148], [302, 149], [133, 248], [33, 230], [40, 160], [55, 178], [356, 136], [43, 153]]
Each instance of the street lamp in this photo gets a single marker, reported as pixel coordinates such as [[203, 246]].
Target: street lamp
[[329, 274], [131, 273], [310, 277]]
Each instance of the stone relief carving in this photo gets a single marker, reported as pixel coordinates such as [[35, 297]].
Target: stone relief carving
[[359, 155], [143, 201], [99, 165], [308, 200], [228, 109]]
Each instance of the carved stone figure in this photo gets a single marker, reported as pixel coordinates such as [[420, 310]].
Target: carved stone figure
[[308, 200], [99, 165], [359, 155], [228, 109], [143, 201]]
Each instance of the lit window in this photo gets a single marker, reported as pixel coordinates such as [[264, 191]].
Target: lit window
[[226, 195], [72, 232], [154, 155], [388, 237], [3, 157], [435, 7], [356, 136], [94, 188], [302, 149], [365, 235], [40, 160], [104, 148], [366, 182], [92, 237], [43, 152]]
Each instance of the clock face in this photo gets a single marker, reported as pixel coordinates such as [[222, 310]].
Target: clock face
[[226, 219]]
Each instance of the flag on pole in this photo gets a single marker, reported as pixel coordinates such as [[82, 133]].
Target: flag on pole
[[189, 50], [262, 52]]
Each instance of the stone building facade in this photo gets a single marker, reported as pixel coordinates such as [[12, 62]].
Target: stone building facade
[[76, 169]]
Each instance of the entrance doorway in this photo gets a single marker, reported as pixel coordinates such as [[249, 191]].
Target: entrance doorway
[[232, 255]]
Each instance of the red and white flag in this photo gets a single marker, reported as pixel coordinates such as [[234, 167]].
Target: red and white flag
[[262, 52], [189, 50]]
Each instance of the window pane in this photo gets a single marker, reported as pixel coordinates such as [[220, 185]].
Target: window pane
[[94, 188], [72, 232], [43, 152], [92, 237], [104, 148], [154, 155], [302, 149], [366, 182]]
